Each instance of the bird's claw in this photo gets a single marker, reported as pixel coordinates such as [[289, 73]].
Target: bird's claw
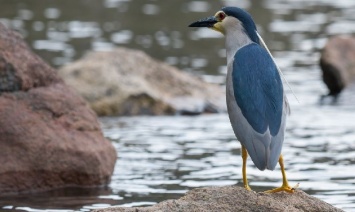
[[247, 187], [284, 187]]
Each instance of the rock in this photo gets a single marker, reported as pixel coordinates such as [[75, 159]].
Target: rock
[[338, 63], [49, 137], [234, 198], [129, 82]]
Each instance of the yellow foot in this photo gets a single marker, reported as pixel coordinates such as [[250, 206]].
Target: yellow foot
[[247, 187], [285, 187]]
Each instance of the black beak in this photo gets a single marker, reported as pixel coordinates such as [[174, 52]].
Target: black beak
[[206, 22]]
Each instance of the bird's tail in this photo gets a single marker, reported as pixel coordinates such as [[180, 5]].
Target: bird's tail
[[265, 150]]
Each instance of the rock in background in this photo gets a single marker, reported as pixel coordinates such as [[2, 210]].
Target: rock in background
[[129, 82], [234, 198], [49, 137], [338, 63]]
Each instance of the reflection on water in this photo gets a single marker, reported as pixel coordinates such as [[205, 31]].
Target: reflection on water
[[62, 31], [163, 157]]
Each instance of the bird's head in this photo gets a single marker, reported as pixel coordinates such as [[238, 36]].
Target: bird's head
[[230, 19]]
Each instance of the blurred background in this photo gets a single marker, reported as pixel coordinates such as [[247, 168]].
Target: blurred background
[[161, 158]]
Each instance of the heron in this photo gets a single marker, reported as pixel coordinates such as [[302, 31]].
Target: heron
[[256, 102]]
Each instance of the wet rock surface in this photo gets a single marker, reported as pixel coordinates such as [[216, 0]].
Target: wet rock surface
[[234, 198], [338, 63], [49, 137], [129, 82]]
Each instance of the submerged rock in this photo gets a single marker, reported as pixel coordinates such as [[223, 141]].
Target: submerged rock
[[129, 82], [338, 63], [49, 137], [234, 198]]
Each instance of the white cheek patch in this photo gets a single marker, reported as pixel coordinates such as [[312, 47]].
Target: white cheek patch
[[231, 23], [236, 36]]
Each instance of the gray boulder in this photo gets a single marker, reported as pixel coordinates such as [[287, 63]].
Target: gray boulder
[[338, 63], [129, 82], [234, 198]]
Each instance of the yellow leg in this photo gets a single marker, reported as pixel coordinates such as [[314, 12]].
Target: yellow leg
[[245, 156], [285, 186]]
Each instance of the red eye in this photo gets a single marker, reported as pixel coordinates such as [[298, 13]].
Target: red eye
[[221, 16]]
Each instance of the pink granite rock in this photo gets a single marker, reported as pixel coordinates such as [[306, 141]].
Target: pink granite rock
[[49, 137]]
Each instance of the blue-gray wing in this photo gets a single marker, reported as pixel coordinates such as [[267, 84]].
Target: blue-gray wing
[[258, 92]]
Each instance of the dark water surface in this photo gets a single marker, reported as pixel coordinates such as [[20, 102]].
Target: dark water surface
[[161, 158]]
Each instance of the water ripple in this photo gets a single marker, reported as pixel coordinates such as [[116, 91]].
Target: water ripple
[[161, 158]]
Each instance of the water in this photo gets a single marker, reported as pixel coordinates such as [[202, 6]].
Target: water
[[161, 158]]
